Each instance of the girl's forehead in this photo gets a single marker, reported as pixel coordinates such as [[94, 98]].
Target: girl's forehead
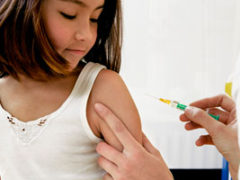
[[84, 3], [90, 5]]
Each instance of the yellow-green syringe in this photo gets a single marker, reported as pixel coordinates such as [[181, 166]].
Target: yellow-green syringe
[[182, 107]]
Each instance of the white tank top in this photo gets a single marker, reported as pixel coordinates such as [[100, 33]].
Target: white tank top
[[59, 146]]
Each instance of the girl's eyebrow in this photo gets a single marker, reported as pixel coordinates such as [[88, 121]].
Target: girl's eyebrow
[[80, 3]]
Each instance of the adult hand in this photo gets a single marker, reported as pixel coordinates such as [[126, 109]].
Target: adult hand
[[135, 162], [222, 133]]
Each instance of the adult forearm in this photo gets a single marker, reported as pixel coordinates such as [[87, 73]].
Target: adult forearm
[[234, 166], [233, 173], [234, 160]]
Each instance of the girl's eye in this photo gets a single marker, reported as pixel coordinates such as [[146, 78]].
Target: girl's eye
[[94, 20], [67, 16]]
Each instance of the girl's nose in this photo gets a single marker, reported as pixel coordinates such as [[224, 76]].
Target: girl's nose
[[84, 32], [79, 37]]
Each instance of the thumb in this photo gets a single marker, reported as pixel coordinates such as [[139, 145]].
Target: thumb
[[202, 118]]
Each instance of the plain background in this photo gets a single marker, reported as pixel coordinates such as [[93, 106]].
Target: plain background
[[182, 50]]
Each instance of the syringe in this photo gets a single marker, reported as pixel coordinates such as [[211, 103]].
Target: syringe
[[182, 107]]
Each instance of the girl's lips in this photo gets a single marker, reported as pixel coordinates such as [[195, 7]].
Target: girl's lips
[[75, 51]]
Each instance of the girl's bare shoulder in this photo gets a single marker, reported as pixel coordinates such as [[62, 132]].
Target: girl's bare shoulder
[[110, 89]]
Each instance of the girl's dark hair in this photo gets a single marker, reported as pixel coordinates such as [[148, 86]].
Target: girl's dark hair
[[25, 48]]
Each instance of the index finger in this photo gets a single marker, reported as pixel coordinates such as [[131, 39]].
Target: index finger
[[222, 101], [200, 117], [117, 126]]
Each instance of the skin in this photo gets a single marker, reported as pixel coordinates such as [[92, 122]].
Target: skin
[[138, 163], [68, 35]]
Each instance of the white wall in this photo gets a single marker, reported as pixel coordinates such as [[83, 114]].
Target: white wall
[[182, 50]]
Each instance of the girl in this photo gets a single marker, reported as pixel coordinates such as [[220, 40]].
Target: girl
[[48, 125]]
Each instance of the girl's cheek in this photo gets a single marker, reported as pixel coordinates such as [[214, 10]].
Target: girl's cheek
[[59, 36]]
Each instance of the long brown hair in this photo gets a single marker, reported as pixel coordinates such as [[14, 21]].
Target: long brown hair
[[25, 48]]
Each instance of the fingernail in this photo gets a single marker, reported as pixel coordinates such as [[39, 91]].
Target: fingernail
[[190, 111], [99, 107]]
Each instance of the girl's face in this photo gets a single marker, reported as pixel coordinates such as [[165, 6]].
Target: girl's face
[[71, 26]]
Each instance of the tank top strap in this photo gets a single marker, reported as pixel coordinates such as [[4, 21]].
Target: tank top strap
[[83, 89], [87, 77]]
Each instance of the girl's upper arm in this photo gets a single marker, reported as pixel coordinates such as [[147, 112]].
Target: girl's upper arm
[[110, 90]]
